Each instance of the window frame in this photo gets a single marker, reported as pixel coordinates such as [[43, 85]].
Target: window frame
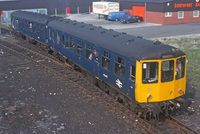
[[88, 48], [179, 13], [148, 80], [119, 67], [79, 45], [131, 73], [194, 13], [105, 56], [168, 14]]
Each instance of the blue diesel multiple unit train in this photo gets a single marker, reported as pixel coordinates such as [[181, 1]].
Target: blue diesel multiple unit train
[[147, 76]]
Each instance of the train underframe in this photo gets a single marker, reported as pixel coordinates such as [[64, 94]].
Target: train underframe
[[147, 111]]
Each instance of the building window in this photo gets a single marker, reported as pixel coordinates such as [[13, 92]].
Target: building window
[[168, 14], [180, 14], [196, 13]]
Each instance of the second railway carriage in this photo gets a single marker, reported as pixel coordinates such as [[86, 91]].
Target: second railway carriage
[[150, 73], [31, 24]]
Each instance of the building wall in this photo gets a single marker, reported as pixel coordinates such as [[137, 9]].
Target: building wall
[[154, 17], [159, 18]]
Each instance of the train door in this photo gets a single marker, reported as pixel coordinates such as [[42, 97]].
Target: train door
[[131, 80], [96, 60]]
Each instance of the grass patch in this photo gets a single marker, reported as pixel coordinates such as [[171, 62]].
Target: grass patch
[[191, 46], [4, 26], [61, 15]]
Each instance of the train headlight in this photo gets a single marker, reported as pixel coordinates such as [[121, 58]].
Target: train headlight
[[180, 91], [149, 96]]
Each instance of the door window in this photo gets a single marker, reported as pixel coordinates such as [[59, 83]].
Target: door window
[[150, 72]]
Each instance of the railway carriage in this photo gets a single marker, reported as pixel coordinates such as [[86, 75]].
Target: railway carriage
[[30, 24], [150, 74]]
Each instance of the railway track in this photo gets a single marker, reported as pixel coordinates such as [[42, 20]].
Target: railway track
[[66, 73], [180, 126]]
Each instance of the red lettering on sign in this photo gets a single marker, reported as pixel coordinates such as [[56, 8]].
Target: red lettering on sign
[[182, 5], [197, 4]]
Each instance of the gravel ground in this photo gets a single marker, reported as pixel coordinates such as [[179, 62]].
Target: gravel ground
[[32, 101]]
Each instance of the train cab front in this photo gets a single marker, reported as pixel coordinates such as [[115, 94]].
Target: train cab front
[[161, 83]]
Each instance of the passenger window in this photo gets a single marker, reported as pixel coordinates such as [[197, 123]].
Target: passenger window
[[79, 47], [34, 27], [105, 60], [120, 67], [58, 38], [41, 30], [20, 23], [71, 44], [26, 25], [49, 34], [67, 42], [132, 73], [167, 71], [63, 39], [180, 68], [30, 25], [88, 52], [38, 29], [52, 34], [150, 72]]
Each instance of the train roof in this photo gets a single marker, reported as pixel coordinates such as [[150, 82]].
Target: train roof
[[36, 17], [126, 45]]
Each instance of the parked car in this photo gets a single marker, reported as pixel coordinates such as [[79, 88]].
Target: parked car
[[132, 19]]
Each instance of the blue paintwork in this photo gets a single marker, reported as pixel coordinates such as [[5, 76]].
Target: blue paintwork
[[118, 15], [128, 86]]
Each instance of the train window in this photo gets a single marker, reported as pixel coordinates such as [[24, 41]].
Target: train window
[[79, 47], [119, 67], [26, 24], [30, 25], [88, 52], [41, 30], [20, 23], [38, 29], [71, 44], [119, 60], [150, 72], [180, 68], [67, 42], [105, 60], [63, 39], [52, 34], [106, 54], [167, 71], [119, 70], [34, 27], [49, 34], [105, 63], [132, 73], [58, 38]]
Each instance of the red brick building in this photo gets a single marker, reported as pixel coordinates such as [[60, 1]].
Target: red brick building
[[163, 11]]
